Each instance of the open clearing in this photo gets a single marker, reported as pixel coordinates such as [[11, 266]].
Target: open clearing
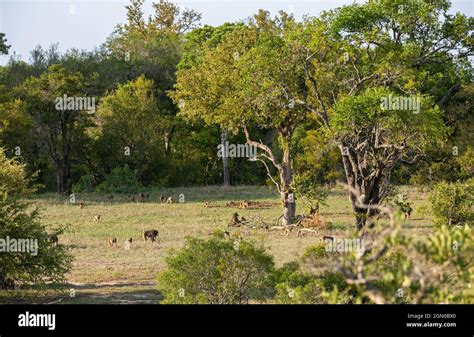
[[115, 275]]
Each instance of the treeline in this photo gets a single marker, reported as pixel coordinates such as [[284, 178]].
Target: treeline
[[306, 93], [135, 131]]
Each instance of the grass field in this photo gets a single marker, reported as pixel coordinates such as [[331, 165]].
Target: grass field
[[103, 274]]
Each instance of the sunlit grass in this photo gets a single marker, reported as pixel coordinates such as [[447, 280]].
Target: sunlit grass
[[101, 272]]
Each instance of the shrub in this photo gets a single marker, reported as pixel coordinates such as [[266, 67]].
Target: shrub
[[403, 269], [466, 163], [216, 271], [309, 190], [43, 262], [120, 180], [307, 283], [85, 184], [400, 202], [395, 268], [452, 203], [294, 286]]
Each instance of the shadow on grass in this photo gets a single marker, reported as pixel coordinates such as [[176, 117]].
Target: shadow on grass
[[114, 293]]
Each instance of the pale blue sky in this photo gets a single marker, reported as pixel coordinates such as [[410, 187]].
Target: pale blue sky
[[84, 24]]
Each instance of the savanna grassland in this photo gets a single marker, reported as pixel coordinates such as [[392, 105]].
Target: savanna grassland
[[103, 274]]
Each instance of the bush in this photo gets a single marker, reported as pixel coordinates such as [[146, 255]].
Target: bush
[[308, 282], [216, 271], [397, 269], [42, 262], [405, 269], [452, 203], [293, 286], [309, 190], [120, 180], [296, 287], [466, 163], [85, 184]]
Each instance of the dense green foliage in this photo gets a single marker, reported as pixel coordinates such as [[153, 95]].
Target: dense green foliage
[[452, 203], [42, 262], [314, 97], [216, 271], [197, 82]]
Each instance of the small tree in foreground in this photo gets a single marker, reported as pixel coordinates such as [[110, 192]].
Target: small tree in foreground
[[387, 267], [45, 261], [216, 271], [396, 268]]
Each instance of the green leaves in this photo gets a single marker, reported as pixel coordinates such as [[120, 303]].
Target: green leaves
[[387, 118], [19, 221], [253, 75], [452, 203], [3, 44], [448, 243], [216, 271]]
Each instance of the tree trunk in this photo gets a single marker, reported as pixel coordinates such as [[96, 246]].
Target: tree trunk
[[365, 191], [225, 160], [63, 179], [167, 139], [286, 194], [284, 170]]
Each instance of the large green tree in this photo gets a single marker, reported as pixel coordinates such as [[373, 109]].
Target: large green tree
[[247, 81], [152, 47], [193, 47], [376, 51], [59, 130], [131, 127]]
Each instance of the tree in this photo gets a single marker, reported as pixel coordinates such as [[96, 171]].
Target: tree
[[360, 55], [193, 47], [131, 119], [373, 141], [3, 44], [44, 262], [236, 84], [153, 48], [59, 129]]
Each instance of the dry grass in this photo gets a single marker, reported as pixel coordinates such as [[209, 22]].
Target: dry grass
[[103, 274]]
